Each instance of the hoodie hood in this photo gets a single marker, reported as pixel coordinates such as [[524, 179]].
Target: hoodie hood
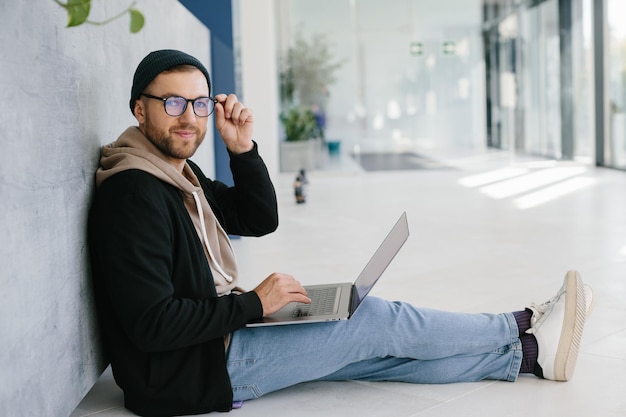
[[132, 150]]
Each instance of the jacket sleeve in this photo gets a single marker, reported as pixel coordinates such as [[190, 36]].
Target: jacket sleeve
[[145, 275], [248, 208]]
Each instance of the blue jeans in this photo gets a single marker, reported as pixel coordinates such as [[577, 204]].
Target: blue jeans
[[383, 341]]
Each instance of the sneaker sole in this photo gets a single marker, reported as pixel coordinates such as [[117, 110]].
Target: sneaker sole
[[572, 331]]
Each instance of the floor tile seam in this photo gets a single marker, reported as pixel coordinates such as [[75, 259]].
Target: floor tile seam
[[104, 410], [603, 356], [443, 403], [598, 339]]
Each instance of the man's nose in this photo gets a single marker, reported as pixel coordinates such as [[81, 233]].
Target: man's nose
[[188, 115]]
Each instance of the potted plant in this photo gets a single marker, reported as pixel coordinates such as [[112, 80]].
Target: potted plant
[[306, 74], [302, 146], [300, 124]]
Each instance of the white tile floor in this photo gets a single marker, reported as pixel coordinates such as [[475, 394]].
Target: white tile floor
[[472, 248]]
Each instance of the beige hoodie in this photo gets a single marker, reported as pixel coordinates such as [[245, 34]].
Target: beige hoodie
[[132, 150]]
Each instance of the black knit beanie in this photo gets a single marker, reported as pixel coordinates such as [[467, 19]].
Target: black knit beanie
[[155, 63]]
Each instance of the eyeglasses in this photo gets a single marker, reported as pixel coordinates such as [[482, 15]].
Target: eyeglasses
[[175, 106]]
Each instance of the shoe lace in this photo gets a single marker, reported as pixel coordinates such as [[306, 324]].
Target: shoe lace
[[539, 313]]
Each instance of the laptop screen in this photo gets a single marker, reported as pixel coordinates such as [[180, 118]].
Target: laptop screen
[[380, 261]]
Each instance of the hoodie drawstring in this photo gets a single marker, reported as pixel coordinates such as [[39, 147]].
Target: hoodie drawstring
[[205, 238]]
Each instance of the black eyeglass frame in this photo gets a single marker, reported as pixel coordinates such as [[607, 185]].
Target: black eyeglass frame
[[187, 101]]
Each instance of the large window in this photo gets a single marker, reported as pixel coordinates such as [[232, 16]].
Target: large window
[[583, 92], [615, 145], [541, 85], [419, 74], [413, 72], [539, 78]]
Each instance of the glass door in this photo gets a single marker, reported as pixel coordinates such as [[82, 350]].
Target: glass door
[[492, 86], [615, 146], [540, 71], [539, 78], [508, 82], [503, 84]]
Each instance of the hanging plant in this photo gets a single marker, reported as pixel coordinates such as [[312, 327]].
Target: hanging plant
[[78, 13]]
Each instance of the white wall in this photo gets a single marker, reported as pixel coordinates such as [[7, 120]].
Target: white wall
[[65, 93], [259, 75]]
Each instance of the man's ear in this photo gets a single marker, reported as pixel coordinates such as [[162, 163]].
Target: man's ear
[[140, 111]]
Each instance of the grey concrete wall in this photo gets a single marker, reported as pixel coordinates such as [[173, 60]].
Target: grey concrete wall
[[63, 93]]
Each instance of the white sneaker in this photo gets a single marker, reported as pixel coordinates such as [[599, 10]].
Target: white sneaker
[[558, 327]]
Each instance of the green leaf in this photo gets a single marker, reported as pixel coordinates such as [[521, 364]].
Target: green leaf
[[136, 20], [77, 11]]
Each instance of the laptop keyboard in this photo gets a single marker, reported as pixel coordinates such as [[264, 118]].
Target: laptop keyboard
[[324, 301]]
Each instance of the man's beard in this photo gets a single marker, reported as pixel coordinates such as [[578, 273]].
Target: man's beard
[[163, 140]]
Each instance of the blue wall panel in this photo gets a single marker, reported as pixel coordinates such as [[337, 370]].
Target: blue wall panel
[[218, 17]]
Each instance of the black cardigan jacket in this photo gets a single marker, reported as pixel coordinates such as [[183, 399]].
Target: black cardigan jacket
[[163, 325]]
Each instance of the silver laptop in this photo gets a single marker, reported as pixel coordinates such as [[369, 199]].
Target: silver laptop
[[331, 302]]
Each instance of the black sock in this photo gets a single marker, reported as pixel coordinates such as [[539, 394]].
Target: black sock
[[523, 320], [530, 351]]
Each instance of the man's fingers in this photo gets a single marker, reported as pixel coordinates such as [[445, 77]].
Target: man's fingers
[[278, 290], [229, 102]]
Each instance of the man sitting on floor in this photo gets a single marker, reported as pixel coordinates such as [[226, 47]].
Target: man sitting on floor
[[165, 277]]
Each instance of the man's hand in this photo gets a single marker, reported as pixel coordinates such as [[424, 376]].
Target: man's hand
[[278, 290], [234, 121]]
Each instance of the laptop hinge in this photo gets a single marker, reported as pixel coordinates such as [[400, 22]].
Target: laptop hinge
[[353, 300]]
